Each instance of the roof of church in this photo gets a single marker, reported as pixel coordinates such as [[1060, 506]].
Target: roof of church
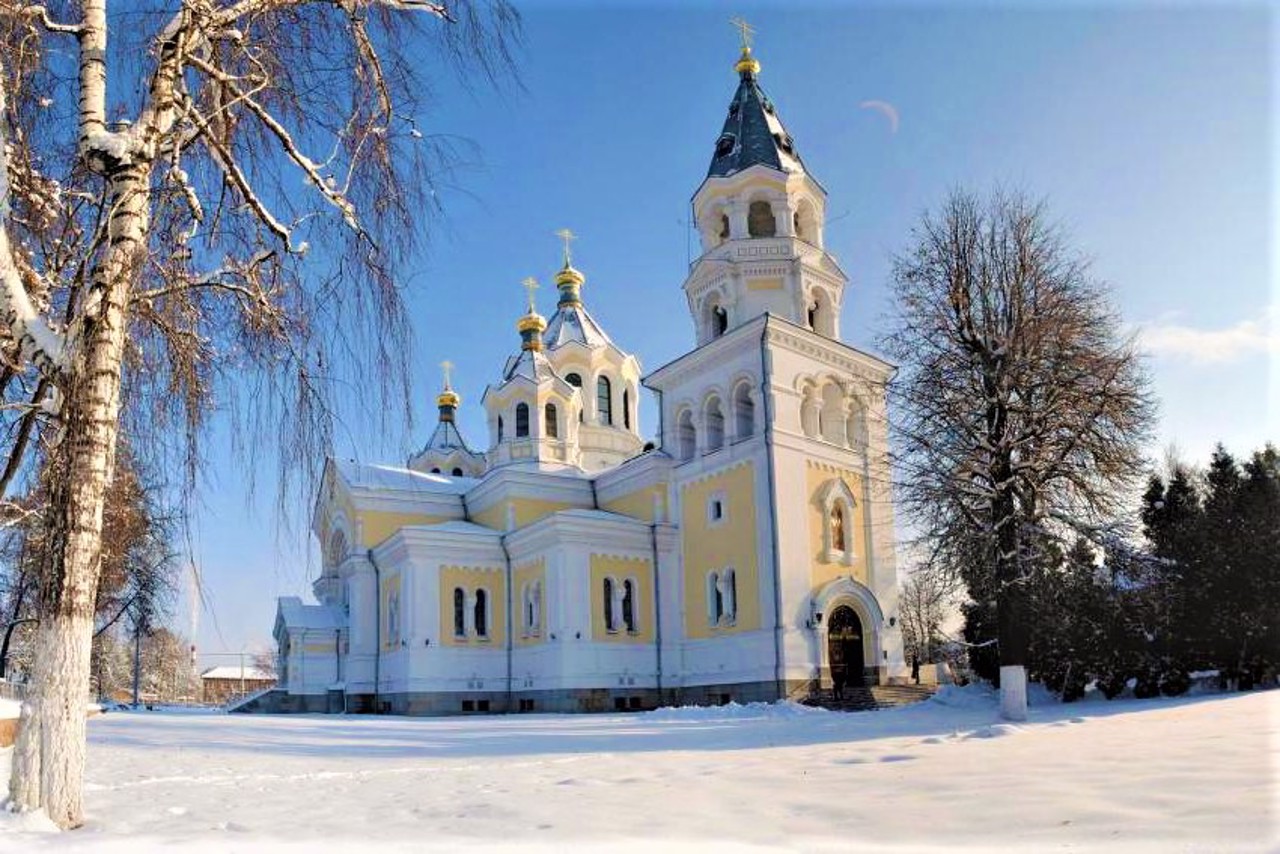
[[574, 323], [370, 476], [445, 438], [753, 134], [297, 615], [531, 364]]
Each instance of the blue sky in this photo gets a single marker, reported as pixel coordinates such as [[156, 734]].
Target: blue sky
[[1149, 131]]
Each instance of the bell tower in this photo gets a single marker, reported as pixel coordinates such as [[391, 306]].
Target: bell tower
[[760, 217]]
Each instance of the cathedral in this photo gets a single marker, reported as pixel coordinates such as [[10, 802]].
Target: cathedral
[[745, 553]]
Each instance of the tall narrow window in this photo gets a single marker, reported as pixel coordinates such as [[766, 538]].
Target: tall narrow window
[[730, 594], [744, 412], [719, 321], [604, 400], [459, 613], [715, 600], [482, 613], [760, 221], [724, 227], [393, 618], [608, 606], [626, 408], [522, 420], [550, 422], [499, 428], [837, 529], [629, 605], [686, 435]]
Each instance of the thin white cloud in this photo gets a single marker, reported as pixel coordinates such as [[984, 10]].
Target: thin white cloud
[[1225, 345]]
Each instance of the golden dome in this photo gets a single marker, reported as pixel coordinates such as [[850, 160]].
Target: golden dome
[[531, 322], [448, 397], [747, 62], [569, 276]]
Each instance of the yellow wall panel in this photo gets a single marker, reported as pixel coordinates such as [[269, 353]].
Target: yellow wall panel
[[730, 544], [470, 579], [529, 573], [620, 569], [821, 569]]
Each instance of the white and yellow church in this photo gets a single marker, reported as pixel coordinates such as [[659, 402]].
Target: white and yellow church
[[746, 553]]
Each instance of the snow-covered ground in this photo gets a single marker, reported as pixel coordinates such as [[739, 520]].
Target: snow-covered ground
[[1195, 774]]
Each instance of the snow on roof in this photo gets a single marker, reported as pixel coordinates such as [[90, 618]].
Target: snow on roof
[[380, 477], [574, 323], [299, 616], [235, 671]]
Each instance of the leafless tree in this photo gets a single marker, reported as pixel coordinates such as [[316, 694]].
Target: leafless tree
[[923, 606], [1023, 407], [152, 251]]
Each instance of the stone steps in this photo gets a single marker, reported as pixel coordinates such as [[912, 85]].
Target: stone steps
[[870, 698]]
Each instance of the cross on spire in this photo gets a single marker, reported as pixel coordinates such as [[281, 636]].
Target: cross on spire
[[531, 285], [447, 367], [567, 236], [745, 30]]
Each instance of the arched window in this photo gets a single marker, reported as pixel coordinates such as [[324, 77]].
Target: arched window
[[550, 421], [482, 613], [522, 420], [744, 412], [729, 594], [686, 435], [714, 414], [797, 226], [575, 380], [626, 408], [609, 625], [436, 470], [337, 548], [760, 221], [724, 226], [838, 541], [629, 605], [715, 601], [393, 618], [459, 613], [457, 472], [719, 321], [813, 316], [831, 422], [499, 428], [604, 400]]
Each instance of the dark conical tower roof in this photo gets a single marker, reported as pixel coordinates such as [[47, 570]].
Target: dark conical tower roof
[[753, 134]]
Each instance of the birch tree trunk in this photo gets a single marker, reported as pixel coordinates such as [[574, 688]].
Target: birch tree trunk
[[92, 421]]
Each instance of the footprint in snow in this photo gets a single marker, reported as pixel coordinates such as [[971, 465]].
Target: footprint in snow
[[897, 757], [850, 760]]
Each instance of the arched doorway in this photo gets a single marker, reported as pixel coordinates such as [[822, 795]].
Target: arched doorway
[[844, 647]]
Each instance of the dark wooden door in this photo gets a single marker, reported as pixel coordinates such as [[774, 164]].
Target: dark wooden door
[[844, 646]]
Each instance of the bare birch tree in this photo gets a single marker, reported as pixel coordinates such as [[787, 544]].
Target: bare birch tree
[[1023, 408], [152, 250]]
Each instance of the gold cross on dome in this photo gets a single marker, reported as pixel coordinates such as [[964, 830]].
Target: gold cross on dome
[[530, 285], [566, 235], [447, 367], [746, 30]]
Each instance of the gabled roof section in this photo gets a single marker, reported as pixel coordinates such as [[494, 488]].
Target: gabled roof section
[[530, 364], [378, 477], [574, 323], [293, 614], [753, 135], [446, 438]]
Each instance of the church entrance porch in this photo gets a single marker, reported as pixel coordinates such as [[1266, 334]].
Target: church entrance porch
[[844, 650]]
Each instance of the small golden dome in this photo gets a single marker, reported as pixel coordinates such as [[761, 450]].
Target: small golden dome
[[531, 322], [448, 397], [569, 276], [747, 62]]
